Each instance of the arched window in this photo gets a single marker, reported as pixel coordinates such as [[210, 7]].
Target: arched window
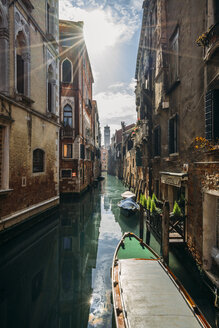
[[50, 90], [20, 67], [38, 160], [67, 116], [4, 46], [66, 71]]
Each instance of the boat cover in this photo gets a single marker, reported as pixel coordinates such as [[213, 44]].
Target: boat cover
[[128, 204], [150, 297], [128, 194]]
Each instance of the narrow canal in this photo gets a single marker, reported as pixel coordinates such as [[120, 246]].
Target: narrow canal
[[57, 273]]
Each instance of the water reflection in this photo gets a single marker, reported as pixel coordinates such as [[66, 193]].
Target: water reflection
[[57, 274], [29, 284], [79, 231]]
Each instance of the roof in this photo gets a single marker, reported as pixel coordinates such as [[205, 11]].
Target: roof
[[65, 26], [118, 133]]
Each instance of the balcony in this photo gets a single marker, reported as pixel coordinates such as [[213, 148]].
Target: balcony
[[210, 40], [67, 132], [213, 41], [141, 133]]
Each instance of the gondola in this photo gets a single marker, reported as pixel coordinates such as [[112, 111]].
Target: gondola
[[146, 293]]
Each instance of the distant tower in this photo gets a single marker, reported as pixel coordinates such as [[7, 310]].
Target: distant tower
[[106, 136]]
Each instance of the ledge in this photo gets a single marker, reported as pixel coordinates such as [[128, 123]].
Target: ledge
[[5, 191], [173, 86], [174, 174], [174, 154], [28, 211]]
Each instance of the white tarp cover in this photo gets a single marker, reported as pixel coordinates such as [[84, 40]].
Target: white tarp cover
[[150, 297], [128, 194]]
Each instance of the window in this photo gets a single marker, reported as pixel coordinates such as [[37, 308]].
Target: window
[[38, 160], [50, 19], [130, 144], [66, 173], [138, 157], [22, 64], [82, 152], [212, 115], [66, 71], [67, 150], [4, 62], [172, 137], [157, 141], [51, 90], [174, 57], [67, 116], [216, 11]]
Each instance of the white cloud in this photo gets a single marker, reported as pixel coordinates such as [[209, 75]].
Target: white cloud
[[115, 107], [107, 27], [103, 28]]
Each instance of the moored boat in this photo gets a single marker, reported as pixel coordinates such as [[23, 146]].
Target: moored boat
[[128, 194], [128, 206], [145, 291]]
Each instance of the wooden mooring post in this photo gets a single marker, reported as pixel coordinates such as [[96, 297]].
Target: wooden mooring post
[[141, 233], [165, 232]]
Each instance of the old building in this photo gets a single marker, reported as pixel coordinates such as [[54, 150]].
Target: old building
[[97, 141], [118, 151], [77, 111], [29, 115], [104, 159], [177, 107]]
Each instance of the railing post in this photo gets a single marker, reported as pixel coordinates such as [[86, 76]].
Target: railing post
[[165, 232]]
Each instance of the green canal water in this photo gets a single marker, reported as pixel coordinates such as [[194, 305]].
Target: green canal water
[[57, 273]]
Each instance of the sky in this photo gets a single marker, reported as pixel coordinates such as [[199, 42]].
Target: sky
[[111, 32]]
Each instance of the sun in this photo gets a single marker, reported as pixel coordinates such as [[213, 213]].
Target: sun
[[100, 32]]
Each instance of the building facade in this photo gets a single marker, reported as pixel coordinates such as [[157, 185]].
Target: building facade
[[177, 108], [79, 135], [29, 115], [104, 159], [118, 152], [97, 141]]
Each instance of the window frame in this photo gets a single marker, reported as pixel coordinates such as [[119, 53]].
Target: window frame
[[157, 141], [62, 73], [173, 132], [43, 164], [174, 57], [67, 144], [70, 111], [66, 177]]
